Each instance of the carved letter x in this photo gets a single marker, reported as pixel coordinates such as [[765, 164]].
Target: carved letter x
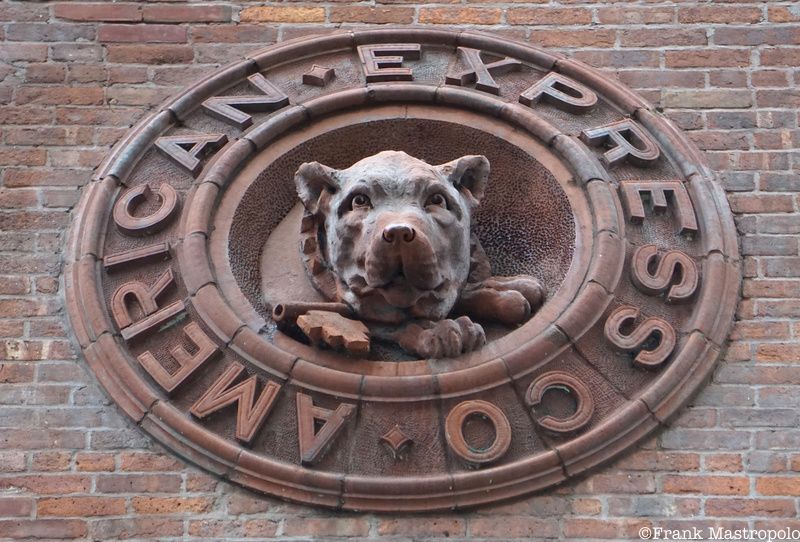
[[479, 72]]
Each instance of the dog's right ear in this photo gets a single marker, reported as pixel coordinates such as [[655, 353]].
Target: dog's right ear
[[313, 180]]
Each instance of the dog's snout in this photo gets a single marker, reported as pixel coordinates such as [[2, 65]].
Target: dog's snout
[[395, 233]]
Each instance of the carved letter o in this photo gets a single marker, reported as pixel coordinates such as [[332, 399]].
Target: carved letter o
[[454, 432]]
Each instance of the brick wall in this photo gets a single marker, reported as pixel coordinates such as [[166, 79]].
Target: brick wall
[[75, 76]]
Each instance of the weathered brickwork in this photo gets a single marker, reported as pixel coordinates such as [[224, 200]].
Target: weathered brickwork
[[74, 76]]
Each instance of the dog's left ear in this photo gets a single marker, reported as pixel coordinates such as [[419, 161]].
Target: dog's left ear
[[313, 180], [468, 173]]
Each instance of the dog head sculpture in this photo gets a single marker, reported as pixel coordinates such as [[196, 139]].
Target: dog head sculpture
[[395, 231]]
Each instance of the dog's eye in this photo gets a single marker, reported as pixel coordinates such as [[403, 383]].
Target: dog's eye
[[438, 200], [359, 201]]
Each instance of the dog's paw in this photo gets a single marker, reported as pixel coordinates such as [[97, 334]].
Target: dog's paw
[[530, 288], [443, 339], [508, 300]]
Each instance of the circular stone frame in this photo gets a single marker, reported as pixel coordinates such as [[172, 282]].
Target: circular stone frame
[[234, 325]]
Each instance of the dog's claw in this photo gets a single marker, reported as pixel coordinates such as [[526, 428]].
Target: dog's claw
[[508, 300], [443, 339]]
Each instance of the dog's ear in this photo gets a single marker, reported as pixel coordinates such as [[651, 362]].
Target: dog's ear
[[468, 173], [313, 180]]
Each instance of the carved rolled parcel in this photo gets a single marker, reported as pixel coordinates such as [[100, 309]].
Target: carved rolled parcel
[[402, 269]]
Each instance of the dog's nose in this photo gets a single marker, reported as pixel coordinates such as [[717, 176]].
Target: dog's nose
[[398, 232]]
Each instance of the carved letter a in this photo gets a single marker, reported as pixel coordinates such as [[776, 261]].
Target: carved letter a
[[313, 445]]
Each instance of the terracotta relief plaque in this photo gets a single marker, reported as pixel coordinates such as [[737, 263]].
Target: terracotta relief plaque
[[573, 275]]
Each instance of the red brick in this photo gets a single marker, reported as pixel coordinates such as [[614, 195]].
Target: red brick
[[48, 484], [142, 33], [150, 54], [283, 14], [753, 161], [164, 13], [708, 99], [50, 461], [23, 11], [708, 485], [721, 140], [80, 158], [778, 98], [218, 528], [259, 528], [32, 220], [760, 330], [144, 527], [25, 115], [662, 37], [240, 33], [30, 438], [763, 203], [47, 327], [116, 12], [60, 96], [590, 528], [43, 528], [719, 14], [43, 135], [723, 462], [326, 527], [148, 462], [45, 73], [634, 15], [94, 462], [198, 482], [177, 75], [128, 74], [619, 483], [123, 95], [546, 15], [780, 56], [371, 15], [749, 35], [513, 527], [778, 485], [25, 52], [769, 78], [586, 507], [171, 505], [18, 199], [81, 506], [246, 503], [778, 352], [12, 461], [138, 483], [76, 52], [49, 32], [87, 73], [19, 178], [15, 373], [16, 506], [625, 58], [206, 53], [567, 38], [422, 526], [467, 15], [661, 461], [783, 14], [728, 79], [707, 58]]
